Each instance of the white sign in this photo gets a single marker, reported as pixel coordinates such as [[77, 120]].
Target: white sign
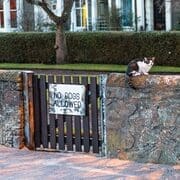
[[67, 99]]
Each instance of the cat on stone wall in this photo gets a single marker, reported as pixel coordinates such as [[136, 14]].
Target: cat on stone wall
[[139, 66]]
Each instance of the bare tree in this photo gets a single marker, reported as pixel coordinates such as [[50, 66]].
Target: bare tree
[[60, 22]]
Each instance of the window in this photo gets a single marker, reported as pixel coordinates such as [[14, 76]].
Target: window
[[1, 15], [81, 18], [13, 13], [127, 12], [159, 15]]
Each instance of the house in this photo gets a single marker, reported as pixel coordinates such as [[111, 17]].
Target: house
[[94, 15], [16, 15], [128, 15]]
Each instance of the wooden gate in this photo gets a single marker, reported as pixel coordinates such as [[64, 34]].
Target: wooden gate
[[67, 132]]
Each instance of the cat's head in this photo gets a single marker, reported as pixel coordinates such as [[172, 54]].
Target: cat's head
[[149, 60]]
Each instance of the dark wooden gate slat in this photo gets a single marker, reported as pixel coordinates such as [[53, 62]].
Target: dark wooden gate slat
[[68, 120], [78, 133], [94, 114], [69, 141], [77, 124], [52, 119], [61, 139], [60, 123], [43, 111], [86, 128], [37, 124]]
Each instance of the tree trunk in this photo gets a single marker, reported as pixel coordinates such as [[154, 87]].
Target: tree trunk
[[60, 45]]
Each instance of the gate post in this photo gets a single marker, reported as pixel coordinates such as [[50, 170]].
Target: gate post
[[28, 109], [103, 80], [11, 109]]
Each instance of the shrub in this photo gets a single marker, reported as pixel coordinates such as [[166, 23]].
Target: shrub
[[121, 47], [26, 47], [92, 47]]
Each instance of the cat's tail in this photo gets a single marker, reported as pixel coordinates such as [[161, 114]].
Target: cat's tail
[[129, 81]]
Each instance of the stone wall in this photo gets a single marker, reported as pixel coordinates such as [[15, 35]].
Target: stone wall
[[11, 109], [144, 124]]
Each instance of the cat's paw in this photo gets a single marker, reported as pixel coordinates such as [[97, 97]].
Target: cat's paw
[[136, 74], [146, 73]]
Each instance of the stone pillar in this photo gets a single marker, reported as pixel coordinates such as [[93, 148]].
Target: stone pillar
[[16, 109], [11, 109]]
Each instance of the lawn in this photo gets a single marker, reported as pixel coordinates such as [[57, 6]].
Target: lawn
[[86, 67]]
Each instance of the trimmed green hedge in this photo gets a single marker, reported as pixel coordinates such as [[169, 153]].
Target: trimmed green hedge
[[121, 47], [92, 47], [26, 47]]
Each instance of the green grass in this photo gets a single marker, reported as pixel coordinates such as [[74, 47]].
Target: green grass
[[165, 69], [86, 67]]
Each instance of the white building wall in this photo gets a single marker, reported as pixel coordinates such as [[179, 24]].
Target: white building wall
[[168, 14], [140, 15], [109, 4], [118, 4], [36, 11], [94, 13], [73, 19], [149, 15], [87, 20], [59, 7], [7, 23], [19, 5], [133, 14]]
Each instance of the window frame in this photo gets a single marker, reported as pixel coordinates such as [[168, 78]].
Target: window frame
[[80, 21], [127, 13], [1, 15], [13, 14]]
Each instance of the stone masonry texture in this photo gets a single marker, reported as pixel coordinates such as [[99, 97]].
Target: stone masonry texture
[[143, 124], [11, 108]]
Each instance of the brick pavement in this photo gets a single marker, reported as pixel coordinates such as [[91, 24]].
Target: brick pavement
[[31, 165]]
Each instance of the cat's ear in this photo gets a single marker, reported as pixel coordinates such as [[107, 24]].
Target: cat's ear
[[153, 58], [145, 58]]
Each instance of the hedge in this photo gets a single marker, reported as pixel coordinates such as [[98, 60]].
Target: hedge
[[92, 47], [120, 47], [26, 47]]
